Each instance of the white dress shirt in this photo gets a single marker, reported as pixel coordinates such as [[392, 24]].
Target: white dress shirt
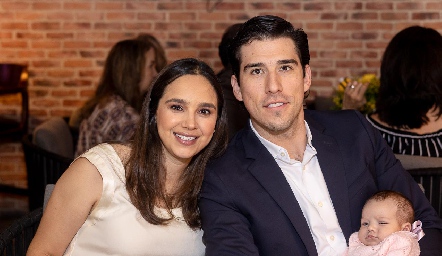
[[308, 185]]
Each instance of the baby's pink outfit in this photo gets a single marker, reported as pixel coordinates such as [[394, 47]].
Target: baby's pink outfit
[[401, 243]]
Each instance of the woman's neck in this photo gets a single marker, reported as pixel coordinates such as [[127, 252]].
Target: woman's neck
[[434, 124]]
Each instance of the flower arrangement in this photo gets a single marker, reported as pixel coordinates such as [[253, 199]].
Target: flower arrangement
[[370, 94]]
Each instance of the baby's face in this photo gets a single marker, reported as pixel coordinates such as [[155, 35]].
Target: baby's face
[[378, 221]]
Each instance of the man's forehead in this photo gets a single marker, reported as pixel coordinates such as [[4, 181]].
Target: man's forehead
[[268, 50]]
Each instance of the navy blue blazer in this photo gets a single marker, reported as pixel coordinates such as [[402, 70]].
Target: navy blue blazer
[[248, 208]]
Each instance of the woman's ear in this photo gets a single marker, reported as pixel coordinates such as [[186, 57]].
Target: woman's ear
[[236, 89]]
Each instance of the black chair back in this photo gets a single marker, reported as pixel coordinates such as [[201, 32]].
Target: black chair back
[[43, 167], [15, 240], [431, 180]]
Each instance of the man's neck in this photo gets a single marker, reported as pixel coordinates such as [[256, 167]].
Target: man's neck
[[294, 139]]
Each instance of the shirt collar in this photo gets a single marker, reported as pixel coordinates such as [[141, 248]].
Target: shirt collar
[[279, 152]]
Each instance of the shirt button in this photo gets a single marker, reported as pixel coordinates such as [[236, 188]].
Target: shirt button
[[320, 204], [282, 154], [332, 238]]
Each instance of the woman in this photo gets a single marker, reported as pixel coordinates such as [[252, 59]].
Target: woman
[[409, 104], [113, 112], [141, 199], [160, 54]]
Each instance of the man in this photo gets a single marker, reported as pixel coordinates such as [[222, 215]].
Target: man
[[237, 115], [294, 181]]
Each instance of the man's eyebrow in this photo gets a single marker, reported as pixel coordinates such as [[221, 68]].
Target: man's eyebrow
[[253, 65], [288, 61], [260, 64]]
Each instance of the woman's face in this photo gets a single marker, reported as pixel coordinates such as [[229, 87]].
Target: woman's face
[[149, 71], [186, 117]]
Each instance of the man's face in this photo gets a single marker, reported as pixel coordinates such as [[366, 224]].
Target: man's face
[[272, 85]]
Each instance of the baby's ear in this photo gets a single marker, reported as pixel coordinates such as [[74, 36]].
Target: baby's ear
[[406, 226]]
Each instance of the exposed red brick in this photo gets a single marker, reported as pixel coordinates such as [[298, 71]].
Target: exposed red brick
[[410, 6], [365, 16], [262, 6], [394, 16], [197, 26], [317, 6], [170, 6], [182, 16], [425, 16], [378, 5], [348, 6], [86, 6], [45, 25], [78, 63], [41, 5], [141, 5], [289, 6], [109, 6]]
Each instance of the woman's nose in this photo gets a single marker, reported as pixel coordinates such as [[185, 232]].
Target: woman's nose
[[189, 122]]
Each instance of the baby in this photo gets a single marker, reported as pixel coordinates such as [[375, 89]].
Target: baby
[[386, 227]]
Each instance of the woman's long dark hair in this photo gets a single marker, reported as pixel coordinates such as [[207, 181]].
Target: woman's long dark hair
[[122, 74], [145, 170]]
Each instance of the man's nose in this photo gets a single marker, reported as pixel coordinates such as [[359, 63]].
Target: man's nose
[[273, 83]]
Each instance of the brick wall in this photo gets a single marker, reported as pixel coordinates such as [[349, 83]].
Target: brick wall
[[64, 42]]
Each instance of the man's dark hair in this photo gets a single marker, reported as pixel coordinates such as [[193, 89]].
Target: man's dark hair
[[267, 27]]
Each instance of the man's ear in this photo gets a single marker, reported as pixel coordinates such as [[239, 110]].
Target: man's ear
[[406, 227], [307, 78], [236, 89]]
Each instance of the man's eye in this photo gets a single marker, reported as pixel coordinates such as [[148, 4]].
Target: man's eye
[[286, 68], [256, 71], [383, 223]]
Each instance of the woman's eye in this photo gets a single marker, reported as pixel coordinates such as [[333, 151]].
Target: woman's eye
[[176, 107], [205, 112]]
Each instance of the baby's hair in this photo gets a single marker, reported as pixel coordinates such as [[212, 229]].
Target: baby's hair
[[405, 210]]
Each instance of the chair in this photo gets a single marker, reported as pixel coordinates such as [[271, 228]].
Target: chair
[[13, 80], [431, 181], [415, 162], [48, 153], [16, 239]]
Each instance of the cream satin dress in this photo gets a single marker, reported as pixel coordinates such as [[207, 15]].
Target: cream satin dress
[[115, 226]]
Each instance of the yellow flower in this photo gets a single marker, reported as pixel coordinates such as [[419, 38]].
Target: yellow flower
[[370, 94]]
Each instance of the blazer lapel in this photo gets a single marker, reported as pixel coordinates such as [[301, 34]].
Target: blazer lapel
[[265, 169], [333, 170]]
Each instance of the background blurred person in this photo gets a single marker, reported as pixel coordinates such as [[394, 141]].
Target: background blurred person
[[237, 114], [113, 112], [141, 198], [409, 104], [160, 55]]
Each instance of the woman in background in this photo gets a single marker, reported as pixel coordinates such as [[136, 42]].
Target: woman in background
[[409, 104], [160, 55], [141, 199], [113, 112]]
